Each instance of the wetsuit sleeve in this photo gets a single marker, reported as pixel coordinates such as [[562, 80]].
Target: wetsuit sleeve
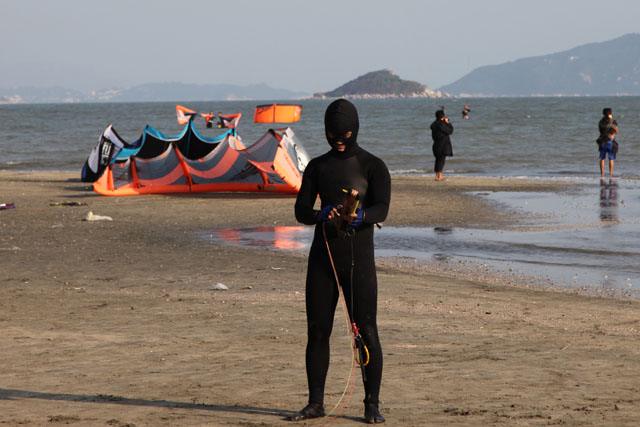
[[378, 194], [307, 198]]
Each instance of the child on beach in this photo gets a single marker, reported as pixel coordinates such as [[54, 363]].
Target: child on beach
[[608, 148]]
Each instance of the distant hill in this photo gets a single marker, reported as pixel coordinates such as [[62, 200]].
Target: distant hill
[[595, 69], [151, 92], [380, 84]]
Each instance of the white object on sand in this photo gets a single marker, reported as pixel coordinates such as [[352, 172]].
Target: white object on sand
[[91, 217]]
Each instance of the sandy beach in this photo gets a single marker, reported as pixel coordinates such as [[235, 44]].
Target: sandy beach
[[117, 322]]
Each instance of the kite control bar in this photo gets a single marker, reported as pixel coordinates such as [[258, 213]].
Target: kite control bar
[[348, 207]]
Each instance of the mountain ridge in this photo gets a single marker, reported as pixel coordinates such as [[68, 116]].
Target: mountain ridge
[[594, 69]]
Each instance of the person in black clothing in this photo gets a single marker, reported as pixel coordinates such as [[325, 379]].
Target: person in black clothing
[[606, 124], [440, 131], [345, 167]]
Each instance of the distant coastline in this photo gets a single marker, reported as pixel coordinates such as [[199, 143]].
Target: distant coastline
[[429, 94]]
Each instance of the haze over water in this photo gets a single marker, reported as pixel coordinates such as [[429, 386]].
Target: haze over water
[[595, 239]]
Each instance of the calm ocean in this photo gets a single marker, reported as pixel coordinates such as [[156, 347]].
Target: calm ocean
[[535, 137], [595, 241]]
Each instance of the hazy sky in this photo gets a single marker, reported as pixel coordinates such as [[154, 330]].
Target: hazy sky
[[300, 45]]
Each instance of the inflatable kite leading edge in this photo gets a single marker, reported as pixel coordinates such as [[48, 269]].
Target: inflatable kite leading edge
[[277, 113]]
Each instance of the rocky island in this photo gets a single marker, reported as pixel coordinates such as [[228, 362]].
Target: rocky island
[[381, 84]]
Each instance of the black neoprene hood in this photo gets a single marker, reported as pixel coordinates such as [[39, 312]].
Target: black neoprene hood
[[341, 117]]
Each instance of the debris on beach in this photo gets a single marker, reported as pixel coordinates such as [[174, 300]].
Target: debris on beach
[[219, 287], [66, 203], [4, 206], [457, 411], [92, 217]]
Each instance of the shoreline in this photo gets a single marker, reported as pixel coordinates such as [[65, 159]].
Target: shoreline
[[117, 321]]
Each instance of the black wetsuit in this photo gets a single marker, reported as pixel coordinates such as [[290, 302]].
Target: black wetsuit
[[353, 256]]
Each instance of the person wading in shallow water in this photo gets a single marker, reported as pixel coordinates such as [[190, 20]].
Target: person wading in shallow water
[[350, 240], [608, 148], [607, 145], [465, 112], [440, 131]]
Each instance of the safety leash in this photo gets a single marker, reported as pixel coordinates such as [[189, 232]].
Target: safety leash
[[360, 352]]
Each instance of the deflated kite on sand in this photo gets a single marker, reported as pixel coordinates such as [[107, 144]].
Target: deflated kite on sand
[[190, 162]]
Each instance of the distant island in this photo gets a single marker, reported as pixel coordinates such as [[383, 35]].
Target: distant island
[[610, 68], [381, 84]]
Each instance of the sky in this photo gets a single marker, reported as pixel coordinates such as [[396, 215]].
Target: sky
[[303, 46]]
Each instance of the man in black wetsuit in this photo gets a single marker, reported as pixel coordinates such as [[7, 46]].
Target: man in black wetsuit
[[345, 167]]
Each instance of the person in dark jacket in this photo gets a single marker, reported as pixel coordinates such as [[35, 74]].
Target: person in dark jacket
[[342, 250], [606, 124], [440, 131]]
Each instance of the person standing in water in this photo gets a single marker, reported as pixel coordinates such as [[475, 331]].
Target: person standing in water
[[465, 112], [441, 129], [342, 248], [609, 149], [607, 145]]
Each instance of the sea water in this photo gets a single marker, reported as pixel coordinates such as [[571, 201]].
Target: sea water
[[534, 137], [587, 237]]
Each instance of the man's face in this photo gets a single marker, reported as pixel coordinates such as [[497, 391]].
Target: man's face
[[338, 140]]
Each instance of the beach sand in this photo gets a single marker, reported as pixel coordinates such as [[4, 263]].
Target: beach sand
[[118, 323]]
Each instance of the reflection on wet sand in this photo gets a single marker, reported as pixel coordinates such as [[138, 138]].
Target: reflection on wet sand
[[284, 238], [608, 200], [569, 239]]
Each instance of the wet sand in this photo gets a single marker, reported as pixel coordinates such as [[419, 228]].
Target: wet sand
[[118, 322]]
